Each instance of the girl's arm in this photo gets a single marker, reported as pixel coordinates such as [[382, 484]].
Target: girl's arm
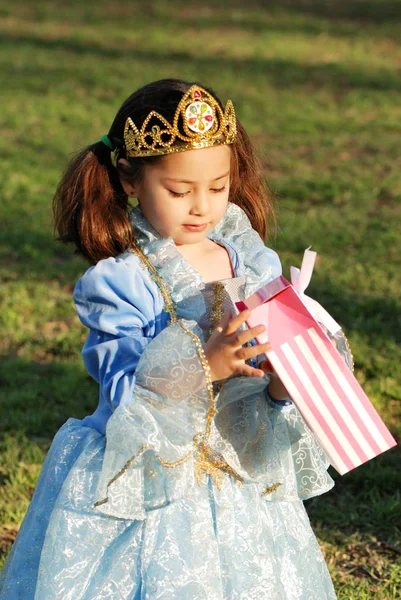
[[115, 302], [130, 350]]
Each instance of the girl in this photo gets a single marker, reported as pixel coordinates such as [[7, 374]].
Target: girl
[[187, 481]]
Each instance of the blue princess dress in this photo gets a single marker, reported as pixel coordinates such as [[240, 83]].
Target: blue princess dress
[[175, 488]]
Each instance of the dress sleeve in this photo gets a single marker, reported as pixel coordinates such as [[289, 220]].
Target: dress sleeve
[[155, 378], [274, 262], [114, 301]]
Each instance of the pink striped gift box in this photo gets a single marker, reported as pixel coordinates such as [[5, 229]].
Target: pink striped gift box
[[323, 388]]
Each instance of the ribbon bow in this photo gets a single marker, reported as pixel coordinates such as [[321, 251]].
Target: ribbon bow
[[300, 279]]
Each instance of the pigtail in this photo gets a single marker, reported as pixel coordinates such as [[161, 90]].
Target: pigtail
[[90, 206], [248, 188]]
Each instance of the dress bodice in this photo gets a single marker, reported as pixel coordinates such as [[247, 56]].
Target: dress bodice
[[217, 297], [253, 265]]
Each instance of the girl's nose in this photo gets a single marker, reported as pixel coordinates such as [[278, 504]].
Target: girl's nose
[[200, 204]]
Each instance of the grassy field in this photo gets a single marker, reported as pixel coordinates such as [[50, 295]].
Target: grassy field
[[318, 86]]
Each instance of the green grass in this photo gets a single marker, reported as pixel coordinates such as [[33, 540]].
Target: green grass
[[317, 84]]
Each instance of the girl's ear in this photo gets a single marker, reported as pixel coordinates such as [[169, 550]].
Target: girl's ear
[[129, 187]]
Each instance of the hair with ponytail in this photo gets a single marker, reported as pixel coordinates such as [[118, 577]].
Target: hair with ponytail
[[90, 206]]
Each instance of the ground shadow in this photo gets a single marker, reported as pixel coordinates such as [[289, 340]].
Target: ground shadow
[[364, 501], [279, 72], [37, 398], [363, 10]]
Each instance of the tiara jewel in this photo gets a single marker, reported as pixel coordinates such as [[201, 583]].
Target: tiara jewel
[[199, 122]]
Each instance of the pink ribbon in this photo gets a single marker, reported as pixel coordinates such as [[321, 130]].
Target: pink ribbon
[[300, 279]]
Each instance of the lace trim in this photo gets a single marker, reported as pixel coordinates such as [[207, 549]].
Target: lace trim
[[207, 460], [349, 350]]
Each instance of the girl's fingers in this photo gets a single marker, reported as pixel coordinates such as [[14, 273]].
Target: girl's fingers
[[266, 366], [251, 372], [237, 321], [251, 351], [246, 336]]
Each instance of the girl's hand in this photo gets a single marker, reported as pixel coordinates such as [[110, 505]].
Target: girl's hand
[[225, 352]]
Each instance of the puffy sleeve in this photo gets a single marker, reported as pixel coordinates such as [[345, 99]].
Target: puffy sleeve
[[123, 314], [156, 379], [274, 262]]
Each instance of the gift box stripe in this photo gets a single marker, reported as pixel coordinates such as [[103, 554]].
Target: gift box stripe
[[333, 406], [354, 391], [319, 408], [355, 415], [314, 424], [340, 406]]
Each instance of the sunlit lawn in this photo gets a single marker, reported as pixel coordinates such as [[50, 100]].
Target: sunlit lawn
[[318, 87]]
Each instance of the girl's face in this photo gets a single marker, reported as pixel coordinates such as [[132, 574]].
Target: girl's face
[[184, 189]]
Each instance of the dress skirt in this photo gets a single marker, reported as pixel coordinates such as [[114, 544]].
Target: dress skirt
[[214, 544]]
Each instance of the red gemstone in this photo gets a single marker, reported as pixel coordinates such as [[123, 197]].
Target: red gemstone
[[192, 121], [197, 94], [209, 118]]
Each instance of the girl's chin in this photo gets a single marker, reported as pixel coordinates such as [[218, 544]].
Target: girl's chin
[[190, 240], [187, 237]]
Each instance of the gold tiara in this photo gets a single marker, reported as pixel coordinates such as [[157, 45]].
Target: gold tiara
[[203, 124]]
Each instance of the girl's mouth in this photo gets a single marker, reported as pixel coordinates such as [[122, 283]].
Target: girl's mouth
[[196, 227]]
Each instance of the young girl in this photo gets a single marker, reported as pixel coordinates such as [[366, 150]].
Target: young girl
[[188, 481]]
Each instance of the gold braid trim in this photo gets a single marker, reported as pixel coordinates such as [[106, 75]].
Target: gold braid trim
[[217, 311], [271, 489], [168, 465], [170, 308], [200, 445], [209, 385], [207, 460], [169, 304], [210, 462], [215, 318]]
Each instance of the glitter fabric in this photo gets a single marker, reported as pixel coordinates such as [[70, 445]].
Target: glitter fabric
[[162, 494]]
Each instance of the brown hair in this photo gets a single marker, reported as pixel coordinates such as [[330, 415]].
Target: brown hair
[[90, 206]]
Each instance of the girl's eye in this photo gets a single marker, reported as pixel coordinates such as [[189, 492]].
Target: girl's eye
[[177, 194], [182, 194]]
